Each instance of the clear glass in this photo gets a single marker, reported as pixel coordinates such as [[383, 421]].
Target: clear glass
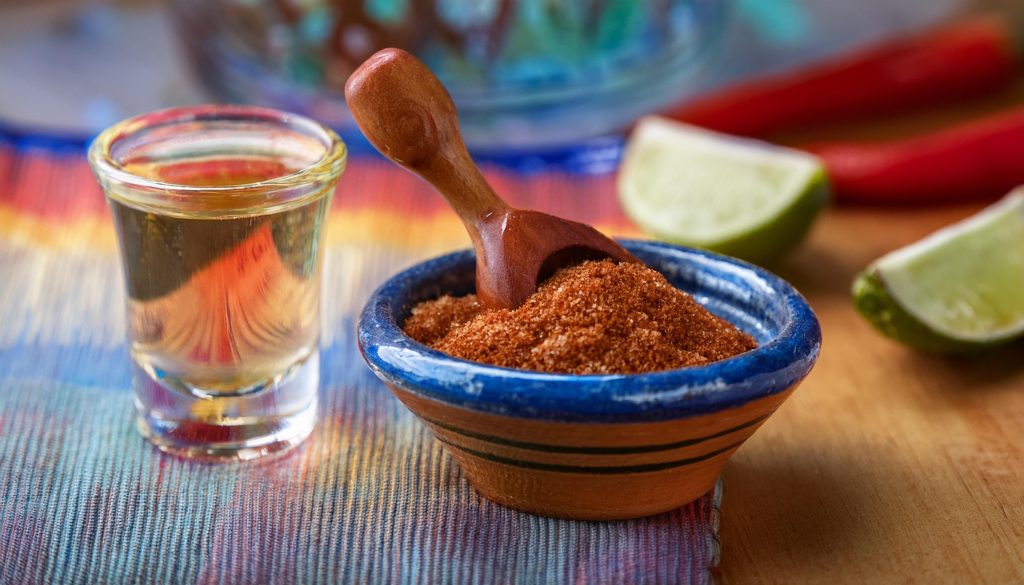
[[523, 73], [219, 212]]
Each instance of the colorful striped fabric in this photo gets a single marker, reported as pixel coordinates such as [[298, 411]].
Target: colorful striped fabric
[[369, 498]]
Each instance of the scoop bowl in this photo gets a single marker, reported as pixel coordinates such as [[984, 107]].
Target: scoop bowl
[[598, 447]]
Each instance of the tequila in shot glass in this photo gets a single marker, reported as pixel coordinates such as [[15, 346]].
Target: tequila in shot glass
[[220, 213]]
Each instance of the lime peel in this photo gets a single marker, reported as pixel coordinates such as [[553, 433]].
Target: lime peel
[[957, 290], [733, 195]]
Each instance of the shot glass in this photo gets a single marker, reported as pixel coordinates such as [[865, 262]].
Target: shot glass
[[220, 213]]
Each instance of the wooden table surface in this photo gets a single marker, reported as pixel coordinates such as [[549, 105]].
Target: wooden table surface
[[886, 465]]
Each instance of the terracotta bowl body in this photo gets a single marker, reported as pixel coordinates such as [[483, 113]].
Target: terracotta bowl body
[[598, 447]]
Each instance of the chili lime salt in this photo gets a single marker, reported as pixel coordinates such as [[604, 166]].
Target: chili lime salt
[[598, 317]]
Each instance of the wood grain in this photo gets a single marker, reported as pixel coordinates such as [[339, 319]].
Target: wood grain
[[885, 466], [407, 114]]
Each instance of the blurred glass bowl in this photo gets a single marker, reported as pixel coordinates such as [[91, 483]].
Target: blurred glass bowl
[[523, 73]]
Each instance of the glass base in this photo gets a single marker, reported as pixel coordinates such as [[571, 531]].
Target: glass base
[[270, 419]]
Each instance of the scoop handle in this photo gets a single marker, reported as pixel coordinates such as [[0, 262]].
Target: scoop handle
[[407, 114]]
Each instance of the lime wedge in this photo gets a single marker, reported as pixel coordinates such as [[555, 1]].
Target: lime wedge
[[959, 290], [737, 196]]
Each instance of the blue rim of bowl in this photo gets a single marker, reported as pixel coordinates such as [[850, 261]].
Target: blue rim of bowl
[[22, 138], [773, 367], [591, 156]]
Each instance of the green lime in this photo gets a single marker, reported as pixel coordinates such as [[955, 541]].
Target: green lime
[[737, 196], [959, 290]]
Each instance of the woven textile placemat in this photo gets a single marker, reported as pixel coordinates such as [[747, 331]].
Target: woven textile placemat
[[369, 498]]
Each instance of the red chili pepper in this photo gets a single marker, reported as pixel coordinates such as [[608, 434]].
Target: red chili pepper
[[978, 159], [965, 59]]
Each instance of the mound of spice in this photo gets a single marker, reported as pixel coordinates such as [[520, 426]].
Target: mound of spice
[[598, 317]]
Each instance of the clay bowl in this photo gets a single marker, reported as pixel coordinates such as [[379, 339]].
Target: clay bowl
[[598, 447]]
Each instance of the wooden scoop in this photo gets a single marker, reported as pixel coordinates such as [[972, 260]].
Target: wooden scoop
[[408, 115]]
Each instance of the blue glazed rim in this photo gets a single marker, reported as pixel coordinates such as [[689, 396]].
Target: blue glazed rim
[[588, 157], [781, 360]]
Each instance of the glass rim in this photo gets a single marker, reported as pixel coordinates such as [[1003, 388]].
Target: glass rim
[[331, 162]]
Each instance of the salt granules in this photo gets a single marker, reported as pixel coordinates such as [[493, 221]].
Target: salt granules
[[598, 317]]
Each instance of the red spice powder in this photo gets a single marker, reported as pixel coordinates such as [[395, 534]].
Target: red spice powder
[[598, 317]]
